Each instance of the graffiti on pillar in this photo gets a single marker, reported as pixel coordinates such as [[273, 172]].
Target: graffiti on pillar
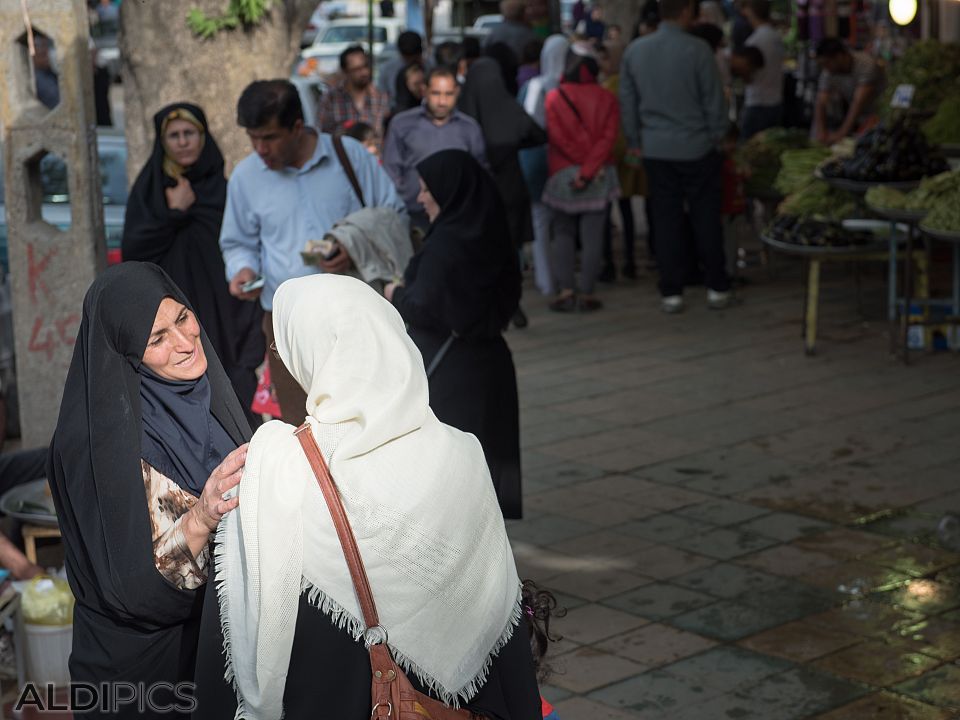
[[46, 334]]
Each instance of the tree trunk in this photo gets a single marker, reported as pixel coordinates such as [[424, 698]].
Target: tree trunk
[[164, 62]]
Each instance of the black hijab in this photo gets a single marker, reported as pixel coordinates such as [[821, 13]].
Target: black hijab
[[506, 58], [505, 124], [95, 458], [404, 99], [186, 244], [466, 279]]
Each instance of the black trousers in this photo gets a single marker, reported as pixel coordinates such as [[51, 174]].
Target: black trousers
[[694, 188]]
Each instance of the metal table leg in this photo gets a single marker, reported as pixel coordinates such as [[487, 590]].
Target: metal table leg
[[892, 276], [812, 306]]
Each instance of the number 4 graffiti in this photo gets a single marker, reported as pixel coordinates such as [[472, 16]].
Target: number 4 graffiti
[[45, 339]]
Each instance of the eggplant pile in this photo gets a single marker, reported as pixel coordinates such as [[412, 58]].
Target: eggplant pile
[[894, 151], [815, 233]]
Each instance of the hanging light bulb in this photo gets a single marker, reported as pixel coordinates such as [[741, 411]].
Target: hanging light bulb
[[903, 11]]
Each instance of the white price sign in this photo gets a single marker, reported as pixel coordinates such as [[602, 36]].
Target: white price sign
[[903, 96]]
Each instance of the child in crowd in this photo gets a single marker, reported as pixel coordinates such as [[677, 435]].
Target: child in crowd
[[364, 133], [539, 606]]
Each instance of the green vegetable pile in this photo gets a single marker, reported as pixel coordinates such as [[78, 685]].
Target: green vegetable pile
[[931, 67], [796, 168], [818, 200], [944, 217], [944, 127], [759, 158], [886, 198]]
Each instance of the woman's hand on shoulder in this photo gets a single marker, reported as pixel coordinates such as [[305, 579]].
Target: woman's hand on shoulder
[[211, 506], [181, 196]]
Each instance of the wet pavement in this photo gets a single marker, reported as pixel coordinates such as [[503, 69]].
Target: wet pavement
[[739, 531]]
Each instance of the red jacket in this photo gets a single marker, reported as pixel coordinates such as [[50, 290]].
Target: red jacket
[[586, 141]]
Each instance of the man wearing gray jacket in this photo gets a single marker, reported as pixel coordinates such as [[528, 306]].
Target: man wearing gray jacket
[[675, 117]]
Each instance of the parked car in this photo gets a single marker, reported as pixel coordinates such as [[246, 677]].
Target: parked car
[[484, 24], [112, 149], [310, 88], [323, 56], [325, 12]]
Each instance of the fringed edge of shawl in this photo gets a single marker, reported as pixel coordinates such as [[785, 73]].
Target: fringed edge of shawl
[[345, 621], [220, 563]]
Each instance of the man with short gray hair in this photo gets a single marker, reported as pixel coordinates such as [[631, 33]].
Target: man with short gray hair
[[675, 117]]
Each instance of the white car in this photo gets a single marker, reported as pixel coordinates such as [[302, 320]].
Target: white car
[[485, 23], [323, 56]]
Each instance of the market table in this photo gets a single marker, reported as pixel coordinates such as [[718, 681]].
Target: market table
[[953, 238], [813, 256]]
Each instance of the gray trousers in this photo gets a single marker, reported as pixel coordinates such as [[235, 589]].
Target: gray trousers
[[564, 249]]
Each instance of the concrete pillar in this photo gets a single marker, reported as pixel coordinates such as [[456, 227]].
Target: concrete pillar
[[50, 268]]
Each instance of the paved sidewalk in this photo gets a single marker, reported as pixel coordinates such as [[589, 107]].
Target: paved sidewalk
[[737, 530]]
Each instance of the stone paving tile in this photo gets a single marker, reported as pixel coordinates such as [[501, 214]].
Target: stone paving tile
[[728, 667], [886, 706], [799, 693], [654, 694], [800, 641], [664, 528], [659, 601], [579, 708], [725, 543], [607, 512], [721, 512], [843, 543], [597, 583], [877, 663], [788, 560], [784, 526], [664, 562], [937, 636], [916, 560], [729, 620], [605, 543], [546, 529], [940, 687], [591, 623], [856, 578], [655, 645], [866, 618], [726, 580], [587, 669]]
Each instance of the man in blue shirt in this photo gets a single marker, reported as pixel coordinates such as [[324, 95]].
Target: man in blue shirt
[[675, 116], [422, 131], [290, 190]]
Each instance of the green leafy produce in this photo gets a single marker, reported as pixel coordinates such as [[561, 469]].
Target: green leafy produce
[[796, 168], [931, 67], [819, 200], [945, 217], [942, 188], [759, 157], [944, 127], [880, 196]]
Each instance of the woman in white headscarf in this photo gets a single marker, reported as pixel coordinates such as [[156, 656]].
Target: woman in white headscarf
[[533, 161], [422, 506]]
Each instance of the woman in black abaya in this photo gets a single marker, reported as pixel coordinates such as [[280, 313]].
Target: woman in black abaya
[[173, 219], [149, 438], [459, 293]]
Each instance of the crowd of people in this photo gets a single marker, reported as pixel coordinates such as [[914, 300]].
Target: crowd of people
[[197, 540]]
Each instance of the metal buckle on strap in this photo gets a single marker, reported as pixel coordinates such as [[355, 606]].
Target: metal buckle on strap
[[389, 709], [305, 426], [375, 635]]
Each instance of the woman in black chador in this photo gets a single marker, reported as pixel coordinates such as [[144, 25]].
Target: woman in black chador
[[458, 295], [150, 437], [173, 219]]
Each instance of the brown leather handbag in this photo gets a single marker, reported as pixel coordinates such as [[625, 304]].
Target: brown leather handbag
[[391, 694]]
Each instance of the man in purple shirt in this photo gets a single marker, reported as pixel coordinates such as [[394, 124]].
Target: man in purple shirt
[[422, 131]]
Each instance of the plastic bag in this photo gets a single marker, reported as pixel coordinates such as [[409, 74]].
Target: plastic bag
[[47, 601]]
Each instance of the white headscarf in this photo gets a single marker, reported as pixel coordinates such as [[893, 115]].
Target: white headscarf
[[553, 58], [417, 492]]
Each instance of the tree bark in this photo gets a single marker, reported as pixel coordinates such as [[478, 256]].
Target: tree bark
[[164, 62]]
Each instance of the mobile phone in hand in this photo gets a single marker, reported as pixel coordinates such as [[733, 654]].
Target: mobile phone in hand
[[254, 284]]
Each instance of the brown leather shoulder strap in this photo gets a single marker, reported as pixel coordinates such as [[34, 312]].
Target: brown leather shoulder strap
[[340, 521], [347, 166]]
